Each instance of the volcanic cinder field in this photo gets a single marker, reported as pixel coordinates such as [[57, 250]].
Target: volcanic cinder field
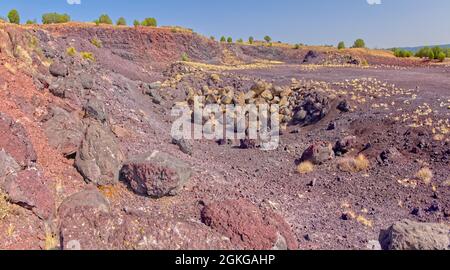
[[87, 160]]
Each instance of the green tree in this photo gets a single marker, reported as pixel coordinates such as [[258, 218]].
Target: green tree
[[267, 39], [441, 56], [223, 39], [240, 40], [430, 55], [341, 45], [14, 16], [149, 22], [104, 19], [359, 43], [29, 22], [251, 40], [121, 21], [136, 23], [230, 40], [49, 18]]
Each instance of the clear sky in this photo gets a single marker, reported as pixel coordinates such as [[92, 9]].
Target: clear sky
[[390, 23]]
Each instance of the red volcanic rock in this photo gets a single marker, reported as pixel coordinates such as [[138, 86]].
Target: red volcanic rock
[[28, 189], [14, 140], [248, 226], [156, 175]]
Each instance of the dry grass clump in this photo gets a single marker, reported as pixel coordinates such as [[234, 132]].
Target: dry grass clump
[[4, 206], [71, 51], [354, 164], [425, 174], [88, 56], [305, 167]]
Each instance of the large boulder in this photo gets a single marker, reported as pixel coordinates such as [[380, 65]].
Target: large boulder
[[156, 175], [84, 219], [99, 156], [410, 235], [28, 188], [58, 69], [95, 109], [64, 131], [248, 226], [14, 140], [318, 153]]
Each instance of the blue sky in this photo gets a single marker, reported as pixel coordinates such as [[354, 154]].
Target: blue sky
[[389, 24]]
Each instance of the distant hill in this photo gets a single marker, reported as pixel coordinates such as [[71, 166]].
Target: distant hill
[[415, 49]]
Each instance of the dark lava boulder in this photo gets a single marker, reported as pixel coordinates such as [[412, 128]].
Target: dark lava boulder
[[313, 106], [95, 109], [310, 57], [14, 140], [248, 226], [156, 175], [64, 131], [99, 156], [410, 235], [58, 69]]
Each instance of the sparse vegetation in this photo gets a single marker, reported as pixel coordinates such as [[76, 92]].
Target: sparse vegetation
[[14, 17], [31, 22], [353, 165], [136, 23], [121, 21], [251, 40], [402, 53], [104, 19], [425, 175], [305, 167], [149, 22], [212, 38], [297, 46], [51, 18], [88, 56], [97, 43], [71, 51], [240, 40], [441, 56], [4, 206], [185, 57], [433, 53], [359, 43], [268, 39], [341, 45]]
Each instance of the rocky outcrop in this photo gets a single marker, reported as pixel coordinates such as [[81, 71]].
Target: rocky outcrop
[[29, 189], [248, 226], [156, 175], [95, 109], [64, 131], [14, 140], [99, 156], [410, 235], [88, 223]]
